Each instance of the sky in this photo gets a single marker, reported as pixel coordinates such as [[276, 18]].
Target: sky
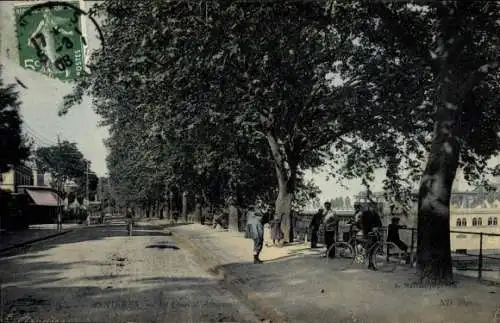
[[43, 96]]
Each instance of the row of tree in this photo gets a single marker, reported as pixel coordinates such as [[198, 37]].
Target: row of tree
[[65, 162], [236, 100]]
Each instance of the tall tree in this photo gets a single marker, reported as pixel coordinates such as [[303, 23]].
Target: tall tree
[[64, 161], [435, 67], [88, 185], [223, 69], [14, 148]]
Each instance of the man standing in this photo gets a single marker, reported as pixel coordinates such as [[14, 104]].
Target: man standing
[[314, 227], [331, 225], [101, 217], [370, 223], [255, 231], [393, 234], [129, 216]]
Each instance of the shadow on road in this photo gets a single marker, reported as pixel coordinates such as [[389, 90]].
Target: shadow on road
[[92, 233], [153, 300], [309, 290], [100, 290], [163, 246]]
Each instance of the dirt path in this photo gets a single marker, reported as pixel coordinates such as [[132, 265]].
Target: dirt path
[[101, 275]]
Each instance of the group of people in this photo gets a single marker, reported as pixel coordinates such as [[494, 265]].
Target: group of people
[[366, 224]]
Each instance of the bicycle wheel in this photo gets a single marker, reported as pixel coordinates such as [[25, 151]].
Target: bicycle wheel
[[343, 255], [387, 257]]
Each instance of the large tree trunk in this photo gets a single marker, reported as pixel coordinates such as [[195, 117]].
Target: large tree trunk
[[198, 209], [283, 212], [433, 244], [163, 209], [171, 206], [454, 85], [184, 206], [233, 218], [286, 184], [153, 209], [148, 209]]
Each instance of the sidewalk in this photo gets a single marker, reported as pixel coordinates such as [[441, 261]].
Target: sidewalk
[[295, 285], [14, 239]]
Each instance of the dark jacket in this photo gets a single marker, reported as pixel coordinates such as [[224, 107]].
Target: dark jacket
[[370, 220], [316, 221], [393, 232]]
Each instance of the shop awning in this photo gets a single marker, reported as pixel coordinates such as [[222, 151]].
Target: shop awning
[[43, 197]]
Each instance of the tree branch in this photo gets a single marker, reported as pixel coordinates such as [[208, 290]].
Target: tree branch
[[477, 76], [401, 32]]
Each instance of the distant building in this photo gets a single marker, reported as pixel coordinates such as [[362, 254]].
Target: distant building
[[42, 179], [20, 175], [463, 217], [472, 222]]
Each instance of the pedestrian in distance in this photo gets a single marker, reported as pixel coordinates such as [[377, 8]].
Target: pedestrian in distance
[[314, 227], [255, 231], [331, 222], [129, 218], [101, 217]]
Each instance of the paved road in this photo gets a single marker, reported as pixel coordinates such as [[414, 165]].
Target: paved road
[[98, 274]]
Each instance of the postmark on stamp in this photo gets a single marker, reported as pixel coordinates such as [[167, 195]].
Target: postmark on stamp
[[51, 38]]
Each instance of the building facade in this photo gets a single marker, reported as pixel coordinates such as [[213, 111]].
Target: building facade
[[466, 226], [466, 222], [42, 179], [20, 175]]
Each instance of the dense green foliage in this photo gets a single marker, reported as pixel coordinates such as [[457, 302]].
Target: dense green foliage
[[407, 60], [432, 70], [66, 162], [14, 149], [226, 99], [199, 129]]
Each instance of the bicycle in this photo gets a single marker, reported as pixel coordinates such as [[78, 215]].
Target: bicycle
[[386, 256]]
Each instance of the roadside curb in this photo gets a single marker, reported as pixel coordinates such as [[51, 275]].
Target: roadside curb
[[260, 305], [29, 242]]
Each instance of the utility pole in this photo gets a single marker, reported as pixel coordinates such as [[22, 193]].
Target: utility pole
[[87, 182], [59, 184], [101, 190], [110, 198]]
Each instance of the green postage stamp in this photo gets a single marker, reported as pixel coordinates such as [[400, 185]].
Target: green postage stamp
[[50, 40]]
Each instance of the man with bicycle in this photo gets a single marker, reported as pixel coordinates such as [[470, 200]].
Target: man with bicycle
[[370, 224]]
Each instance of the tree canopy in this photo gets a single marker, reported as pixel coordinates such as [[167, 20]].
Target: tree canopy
[[66, 162], [14, 148], [210, 132], [434, 70], [220, 98]]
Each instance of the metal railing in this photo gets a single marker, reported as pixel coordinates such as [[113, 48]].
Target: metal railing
[[470, 254]]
